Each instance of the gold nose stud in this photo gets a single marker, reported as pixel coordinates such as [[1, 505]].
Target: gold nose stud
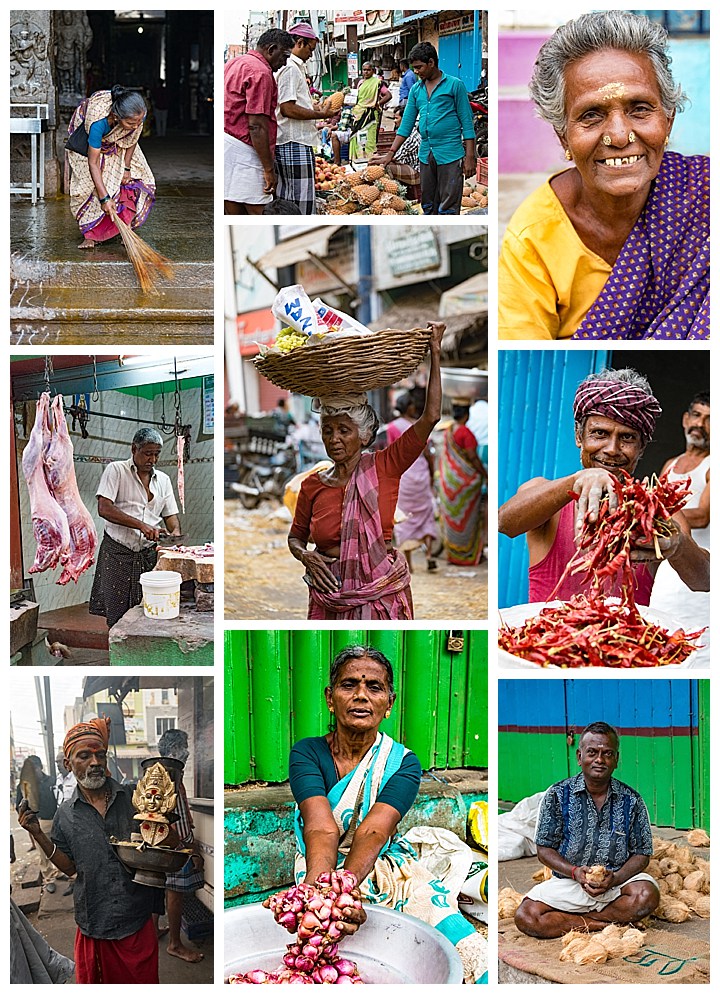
[[607, 140], [631, 138]]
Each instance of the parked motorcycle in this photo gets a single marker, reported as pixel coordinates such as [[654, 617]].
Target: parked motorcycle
[[263, 477], [479, 105]]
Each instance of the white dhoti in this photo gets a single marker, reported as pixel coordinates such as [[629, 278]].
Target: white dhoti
[[564, 894], [244, 175]]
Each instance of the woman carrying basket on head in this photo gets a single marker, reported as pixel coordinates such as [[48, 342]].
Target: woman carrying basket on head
[[347, 510], [109, 172]]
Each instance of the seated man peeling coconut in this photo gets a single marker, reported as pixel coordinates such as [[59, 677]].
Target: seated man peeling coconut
[[593, 832]]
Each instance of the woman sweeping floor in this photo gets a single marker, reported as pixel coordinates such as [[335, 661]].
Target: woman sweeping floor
[[109, 172]]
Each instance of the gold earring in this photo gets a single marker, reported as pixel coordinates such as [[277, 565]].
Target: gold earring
[[631, 138], [667, 141], [607, 140], [387, 714], [568, 155]]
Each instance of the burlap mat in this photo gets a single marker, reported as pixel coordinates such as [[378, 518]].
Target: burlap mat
[[666, 958]]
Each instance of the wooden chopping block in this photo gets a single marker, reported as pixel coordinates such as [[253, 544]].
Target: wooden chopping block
[[23, 624], [200, 569]]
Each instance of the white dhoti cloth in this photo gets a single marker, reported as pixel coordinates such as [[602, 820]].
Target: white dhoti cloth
[[565, 894], [244, 175]]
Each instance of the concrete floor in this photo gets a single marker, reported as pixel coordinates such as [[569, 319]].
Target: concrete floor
[[52, 915], [517, 873], [62, 295]]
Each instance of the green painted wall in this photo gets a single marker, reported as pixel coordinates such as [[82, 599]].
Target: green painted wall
[[670, 771], [274, 684]]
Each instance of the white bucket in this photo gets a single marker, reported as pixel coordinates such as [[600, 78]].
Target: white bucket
[[161, 593]]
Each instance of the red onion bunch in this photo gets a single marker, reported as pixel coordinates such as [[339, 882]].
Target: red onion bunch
[[313, 912]]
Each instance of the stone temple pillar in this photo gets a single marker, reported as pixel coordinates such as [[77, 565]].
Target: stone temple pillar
[[31, 81]]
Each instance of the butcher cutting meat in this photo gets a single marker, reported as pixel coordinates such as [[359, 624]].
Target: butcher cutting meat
[[62, 525], [137, 502]]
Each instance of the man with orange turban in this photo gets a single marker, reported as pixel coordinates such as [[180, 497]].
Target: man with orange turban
[[116, 941]]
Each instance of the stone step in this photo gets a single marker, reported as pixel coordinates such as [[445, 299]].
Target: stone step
[[79, 332], [97, 274], [52, 303]]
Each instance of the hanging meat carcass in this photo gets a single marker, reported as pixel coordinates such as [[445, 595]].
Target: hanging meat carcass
[[180, 439], [49, 521], [60, 475]]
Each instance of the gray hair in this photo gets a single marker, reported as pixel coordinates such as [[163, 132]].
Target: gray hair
[[363, 416], [361, 652], [147, 436], [610, 29], [126, 103]]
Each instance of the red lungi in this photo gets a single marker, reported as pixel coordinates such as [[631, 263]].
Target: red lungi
[[132, 960]]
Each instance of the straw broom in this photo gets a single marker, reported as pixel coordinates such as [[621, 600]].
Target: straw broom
[[148, 264]]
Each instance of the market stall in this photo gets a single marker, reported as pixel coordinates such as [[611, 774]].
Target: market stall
[[76, 419]]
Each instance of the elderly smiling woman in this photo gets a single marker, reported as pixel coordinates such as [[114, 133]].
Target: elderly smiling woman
[[347, 511], [617, 245], [352, 787]]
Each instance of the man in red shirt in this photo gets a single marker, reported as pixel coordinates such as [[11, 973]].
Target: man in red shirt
[[251, 98]]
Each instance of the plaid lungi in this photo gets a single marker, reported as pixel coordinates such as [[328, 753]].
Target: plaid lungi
[[116, 586], [295, 165]]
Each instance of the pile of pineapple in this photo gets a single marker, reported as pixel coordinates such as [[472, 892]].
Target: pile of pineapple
[[474, 195], [371, 191]]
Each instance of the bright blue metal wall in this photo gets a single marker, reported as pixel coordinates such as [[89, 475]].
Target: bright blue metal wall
[[535, 437], [658, 704], [459, 55]]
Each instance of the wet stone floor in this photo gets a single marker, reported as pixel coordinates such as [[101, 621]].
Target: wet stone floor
[[63, 295]]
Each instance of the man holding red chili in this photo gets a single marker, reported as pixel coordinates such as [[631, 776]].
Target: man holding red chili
[[594, 833], [615, 416]]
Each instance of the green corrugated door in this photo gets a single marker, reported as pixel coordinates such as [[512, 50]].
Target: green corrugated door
[[274, 694]]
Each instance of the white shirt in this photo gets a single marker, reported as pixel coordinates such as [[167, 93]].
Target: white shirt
[[65, 785], [121, 484], [292, 85]]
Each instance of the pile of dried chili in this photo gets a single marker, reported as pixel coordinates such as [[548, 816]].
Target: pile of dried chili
[[589, 630]]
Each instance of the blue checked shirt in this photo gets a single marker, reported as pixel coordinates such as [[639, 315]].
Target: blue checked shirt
[[570, 824]]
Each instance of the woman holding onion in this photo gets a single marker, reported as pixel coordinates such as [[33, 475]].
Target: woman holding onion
[[618, 244], [109, 172], [352, 788], [347, 511]]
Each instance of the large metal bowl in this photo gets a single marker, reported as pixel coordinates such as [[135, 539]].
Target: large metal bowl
[[518, 615], [464, 384], [390, 948], [150, 864]]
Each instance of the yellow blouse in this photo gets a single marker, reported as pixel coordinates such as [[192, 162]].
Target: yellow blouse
[[548, 278]]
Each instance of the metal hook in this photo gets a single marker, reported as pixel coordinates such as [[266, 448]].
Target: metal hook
[[48, 372], [96, 392]]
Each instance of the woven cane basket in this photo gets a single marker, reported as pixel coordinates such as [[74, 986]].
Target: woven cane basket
[[351, 364]]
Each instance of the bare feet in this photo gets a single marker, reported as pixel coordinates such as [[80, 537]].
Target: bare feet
[[182, 952], [88, 243]]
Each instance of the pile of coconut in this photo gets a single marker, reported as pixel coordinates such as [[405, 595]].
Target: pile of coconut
[[684, 881]]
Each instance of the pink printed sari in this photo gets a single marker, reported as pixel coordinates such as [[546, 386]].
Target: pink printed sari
[[374, 583]]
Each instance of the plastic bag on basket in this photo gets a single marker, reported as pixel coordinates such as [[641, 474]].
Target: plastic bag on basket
[[292, 308], [334, 320]]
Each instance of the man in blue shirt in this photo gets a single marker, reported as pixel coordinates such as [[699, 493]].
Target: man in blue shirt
[[440, 105], [593, 832], [406, 83]]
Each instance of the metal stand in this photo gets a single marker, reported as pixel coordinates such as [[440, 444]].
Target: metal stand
[[35, 127]]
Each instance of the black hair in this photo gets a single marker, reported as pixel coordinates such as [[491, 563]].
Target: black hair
[[126, 103], [700, 398], [275, 36], [460, 411], [359, 652], [403, 402], [404, 62], [280, 206], [36, 761], [600, 728], [423, 52]]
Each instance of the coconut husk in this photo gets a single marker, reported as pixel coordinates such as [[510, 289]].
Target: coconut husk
[[632, 940], [653, 868], [509, 900], [698, 837], [689, 897], [544, 873], [686, 867], [662, 886], [596, 874], [695, 881], [621, 941], [672, 910], [572, 943], [661, 847], [702, 906], [674, 882], [668, 866], [587, 949]]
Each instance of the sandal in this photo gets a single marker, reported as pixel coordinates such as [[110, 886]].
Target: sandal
[[431, 565]]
